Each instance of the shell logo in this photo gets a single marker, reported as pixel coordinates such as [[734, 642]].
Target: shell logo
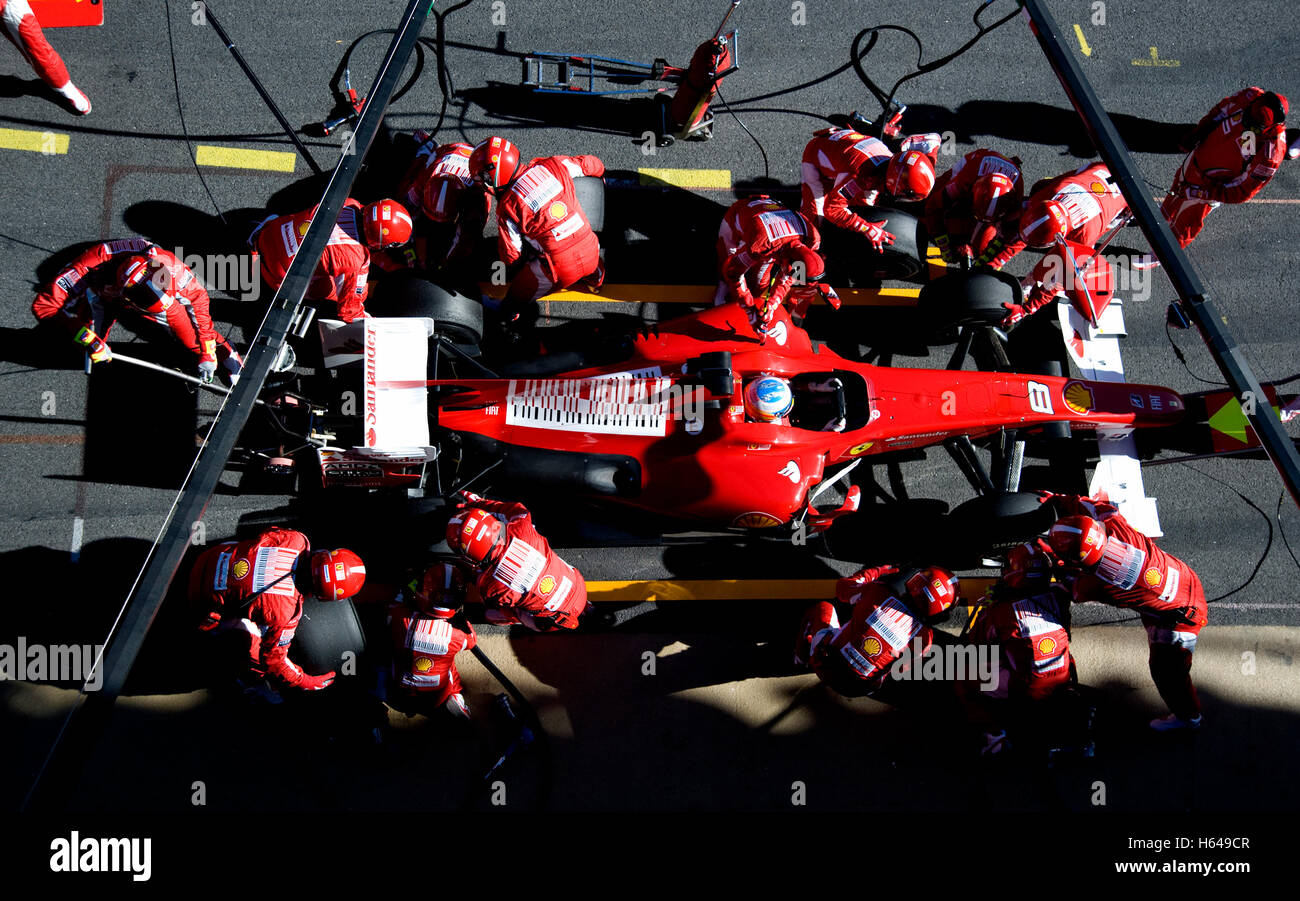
[[1047, 645], [1097, 188], [547, 585], [871, 647], [558, 210], [756, 521], [1078, 397], [1152, 577], [302, 229], [423, 664], [240, 569]]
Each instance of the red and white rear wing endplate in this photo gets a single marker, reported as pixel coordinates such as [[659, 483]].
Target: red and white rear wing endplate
[[1119, 472]]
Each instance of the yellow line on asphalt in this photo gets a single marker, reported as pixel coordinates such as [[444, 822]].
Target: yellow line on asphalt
[[36, 141], [687, 178], [1083, 43], [239, 158], [737, 590], [702, 295]]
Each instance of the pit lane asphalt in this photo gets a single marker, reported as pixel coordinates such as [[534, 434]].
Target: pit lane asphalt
[[112, 450]]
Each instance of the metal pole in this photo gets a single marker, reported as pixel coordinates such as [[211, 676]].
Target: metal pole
[[1212, 323], [275, 110], [84, 723]]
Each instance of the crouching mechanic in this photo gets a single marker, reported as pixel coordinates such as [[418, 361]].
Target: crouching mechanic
[[519, 578], [1235, 151], [543, 235], [971, 204], [450, 209], [765, 250], [425, 642], [257, 587], [1118, 565], [138, 279], [855, 659], [1027, 618], [842, 168], [340, 281]]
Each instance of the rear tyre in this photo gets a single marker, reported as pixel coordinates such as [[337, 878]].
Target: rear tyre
[[590, 192], [998, 522], [456, 316], [973, 298]]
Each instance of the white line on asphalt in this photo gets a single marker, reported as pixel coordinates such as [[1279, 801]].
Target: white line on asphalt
[[77, 525]]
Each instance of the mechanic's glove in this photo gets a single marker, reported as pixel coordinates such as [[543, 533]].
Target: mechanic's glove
[[467, 498], [944, 244], [207, 370], [876, 234], [991, 252], [95, 345], [1194, 192], [316, 683], [1015, 313]]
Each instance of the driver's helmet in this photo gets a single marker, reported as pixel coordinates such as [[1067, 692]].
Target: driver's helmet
[[768, 398]]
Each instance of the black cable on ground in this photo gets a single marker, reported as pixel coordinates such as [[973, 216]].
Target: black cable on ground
[[1183, 359], [1267, 521], [856, 56], [180, 112], [767, 172], [1282, 531]]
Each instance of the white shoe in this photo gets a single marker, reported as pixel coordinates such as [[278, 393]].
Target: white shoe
[[1145, 261], [1173, 721], [77, 97]]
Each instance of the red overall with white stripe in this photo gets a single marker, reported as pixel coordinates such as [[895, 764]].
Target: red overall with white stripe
[[528, 577], [541, 210], [752, 234], [424, 661], [227, 576]]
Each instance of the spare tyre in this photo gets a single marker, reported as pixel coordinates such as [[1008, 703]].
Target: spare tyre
[[590, 192], [328, 632], [902, 260]]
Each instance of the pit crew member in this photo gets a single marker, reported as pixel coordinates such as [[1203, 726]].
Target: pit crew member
[[22, 29], [426, 643], [1118, 565], [340, 281], [843, 168], [450, 209], [519, 578], [764, 250], [256, 587], [1235, 150], [135, 278], [543, 235], [1073, 210], [855, 658], [971, 203], [1027, 617]]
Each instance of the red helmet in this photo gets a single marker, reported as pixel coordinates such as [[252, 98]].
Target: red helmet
[[1078, 540], [386, 223], [144, 283], [1042, 222], [441, 199], [337, 574], [992, 196], [440, 591], [814, 267], [1029, 565], [935, 588], [494, 163], [474, 533], [1266, 111], [910, 175]]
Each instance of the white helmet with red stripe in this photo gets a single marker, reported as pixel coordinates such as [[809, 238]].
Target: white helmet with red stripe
[[386, 223]]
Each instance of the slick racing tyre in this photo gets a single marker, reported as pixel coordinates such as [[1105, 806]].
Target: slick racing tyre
[[998, 522], [904, 259], [967, 298], [458, 317], [328, 630], [591, 197]]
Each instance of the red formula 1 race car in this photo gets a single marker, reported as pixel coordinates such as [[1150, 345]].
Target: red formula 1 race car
[[664, 429]]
